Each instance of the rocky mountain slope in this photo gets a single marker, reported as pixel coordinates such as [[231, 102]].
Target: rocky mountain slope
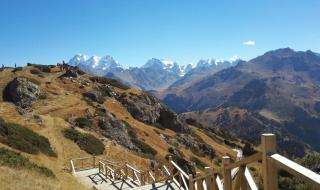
[[281, 85], [50, 114]]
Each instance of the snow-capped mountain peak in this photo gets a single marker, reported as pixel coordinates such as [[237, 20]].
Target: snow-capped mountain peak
[[218, 62], [167, 65], [94, 62]]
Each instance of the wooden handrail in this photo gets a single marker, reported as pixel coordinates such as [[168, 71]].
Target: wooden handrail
[[308, 176], [250, 180], [134, 169], [210, 180], [253, 158], [179, 169]]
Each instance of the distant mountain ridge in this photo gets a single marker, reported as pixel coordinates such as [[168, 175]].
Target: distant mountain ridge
[[155, 74], [281, 85]]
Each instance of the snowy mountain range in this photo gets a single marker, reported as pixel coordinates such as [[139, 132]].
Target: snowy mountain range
[[155, 74]]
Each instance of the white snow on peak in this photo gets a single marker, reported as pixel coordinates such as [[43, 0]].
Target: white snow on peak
[[94, 62], [234, 58]]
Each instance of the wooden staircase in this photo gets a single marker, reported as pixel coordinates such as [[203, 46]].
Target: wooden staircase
[[231, 176]]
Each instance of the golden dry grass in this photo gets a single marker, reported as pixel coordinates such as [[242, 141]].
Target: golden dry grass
[[64, 103], [11, 179]]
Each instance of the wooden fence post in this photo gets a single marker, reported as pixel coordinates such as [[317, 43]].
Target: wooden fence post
[[269, 170], [227, 179], [125, 170], [191, 185], [94, 162], [208, 179], [142, 180], [170, 167]]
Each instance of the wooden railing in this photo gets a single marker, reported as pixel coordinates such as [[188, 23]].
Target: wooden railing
[[231, 176], [238, 175], [85, 163]]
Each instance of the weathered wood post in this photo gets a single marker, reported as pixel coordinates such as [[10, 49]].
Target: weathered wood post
[[142, 180], [243, 185], [208, 178], [94, 162], [170, 167], [191, 185], [227, 179], [269, 170], [125, 170]]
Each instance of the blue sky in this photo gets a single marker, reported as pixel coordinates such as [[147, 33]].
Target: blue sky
[[133, 31]]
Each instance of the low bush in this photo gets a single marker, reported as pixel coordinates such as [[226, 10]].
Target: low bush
[[44, 68], [24, 139], [196, 136], [159, 126], [191, 121], [96, 97], [15, 160], [35, 71], [86, 142], [199, 164], [83, 122], [100, 111], [145, 148], [17, 69], [196, 151], [42, 96], [112, 82]]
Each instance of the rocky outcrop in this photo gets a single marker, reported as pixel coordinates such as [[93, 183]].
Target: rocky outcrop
[[148, 109], [70, 73], [22, 92], [116, 130], [95, 96]]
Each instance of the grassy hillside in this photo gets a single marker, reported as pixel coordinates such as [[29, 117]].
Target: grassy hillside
[[58, 108]]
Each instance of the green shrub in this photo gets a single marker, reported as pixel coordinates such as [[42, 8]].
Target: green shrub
[[35, 71], [86, 142], [44, 68], [17, 69], [90, 144], [199, 164], [71, 134], [101, 111], [24, 139], [42, 96], [88, 101], [112, 82], [145, 148], [196, 151], [159, 126], [83, 122], [15, 160], [196, 136]]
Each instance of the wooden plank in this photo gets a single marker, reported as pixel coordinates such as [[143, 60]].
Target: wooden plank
[[250, 180], [134, 169], [72, 167], [207, 180], [239, 176], [297, 170], [227, 178], [269, 171], [219, 184], [234, 172], [191, 184], [184, 181], [180, 170], [253, 158]]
